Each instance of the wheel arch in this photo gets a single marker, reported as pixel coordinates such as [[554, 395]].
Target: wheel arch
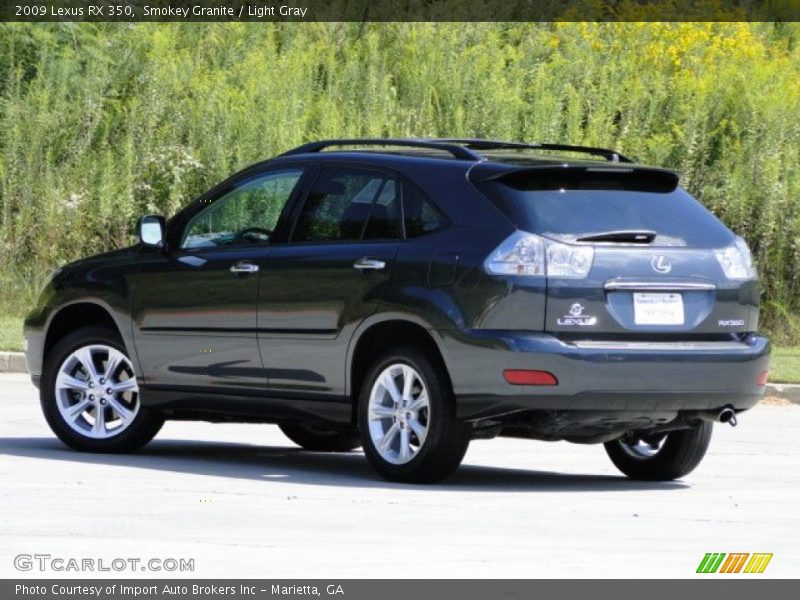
[[81, 313], [376, 336]]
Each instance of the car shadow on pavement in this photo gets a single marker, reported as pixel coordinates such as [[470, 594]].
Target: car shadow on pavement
[[293, 465]]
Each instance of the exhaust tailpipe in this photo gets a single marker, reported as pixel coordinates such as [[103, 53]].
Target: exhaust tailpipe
[[726, 414]]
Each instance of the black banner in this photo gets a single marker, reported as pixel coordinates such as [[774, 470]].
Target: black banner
[[131, 11], [403, 589]]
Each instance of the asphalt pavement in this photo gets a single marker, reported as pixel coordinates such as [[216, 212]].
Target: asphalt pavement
[[242, 501]]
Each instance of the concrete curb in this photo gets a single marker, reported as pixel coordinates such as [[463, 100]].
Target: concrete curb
[[787, 391], [12, 362]]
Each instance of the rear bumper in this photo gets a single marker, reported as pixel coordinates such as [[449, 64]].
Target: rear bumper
[[609, 376]]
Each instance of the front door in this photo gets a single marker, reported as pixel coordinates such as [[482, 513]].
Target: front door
[[332, 273], [195, 315]]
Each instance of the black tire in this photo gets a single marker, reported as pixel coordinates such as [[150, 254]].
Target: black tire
[[679, 454], [447, 438], [317, 438], [144, 426]]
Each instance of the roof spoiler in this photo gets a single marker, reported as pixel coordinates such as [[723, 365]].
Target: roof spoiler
[[582, 177]]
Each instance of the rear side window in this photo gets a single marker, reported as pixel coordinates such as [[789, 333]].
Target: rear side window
[[567, 213], [420, 215], [384, 218], [347, 205]]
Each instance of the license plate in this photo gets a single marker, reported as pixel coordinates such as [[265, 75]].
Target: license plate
[[657, 309]]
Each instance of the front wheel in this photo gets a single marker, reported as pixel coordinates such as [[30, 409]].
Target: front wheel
[[661, 456], [90, 395], [407, 419]]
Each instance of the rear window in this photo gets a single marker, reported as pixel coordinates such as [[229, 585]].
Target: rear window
[[566, 214]]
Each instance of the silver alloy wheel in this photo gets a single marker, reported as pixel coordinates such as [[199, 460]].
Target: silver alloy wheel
[[96, 391], [643, 448], [398, 413]]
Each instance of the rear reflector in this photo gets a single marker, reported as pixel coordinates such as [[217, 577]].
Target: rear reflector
[[526, 377], [762, 378]]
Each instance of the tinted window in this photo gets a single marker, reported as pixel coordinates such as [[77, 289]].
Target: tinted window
[[347, 205], [421, 216], [676, 217], [384, 218], [245, 215]]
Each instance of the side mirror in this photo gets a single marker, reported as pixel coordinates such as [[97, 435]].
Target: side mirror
[[151, 230]]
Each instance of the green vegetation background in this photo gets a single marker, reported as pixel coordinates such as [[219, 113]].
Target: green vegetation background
[[100, 123]]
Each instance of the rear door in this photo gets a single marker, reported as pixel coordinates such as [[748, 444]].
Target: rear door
[[332, 273], [656, 265]]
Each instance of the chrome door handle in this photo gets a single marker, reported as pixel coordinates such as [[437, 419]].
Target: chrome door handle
[[369, 264], [244, 266]]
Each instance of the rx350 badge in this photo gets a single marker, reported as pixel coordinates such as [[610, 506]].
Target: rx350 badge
[[577, 318]]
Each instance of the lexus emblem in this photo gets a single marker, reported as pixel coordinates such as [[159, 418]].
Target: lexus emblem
[[661, 264], [576, 310]]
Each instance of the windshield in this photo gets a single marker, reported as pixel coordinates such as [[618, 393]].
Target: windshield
[[675, 217]]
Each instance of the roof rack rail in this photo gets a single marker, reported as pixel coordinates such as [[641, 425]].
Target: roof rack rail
[[458, 151], [460, 148], [478, 144]]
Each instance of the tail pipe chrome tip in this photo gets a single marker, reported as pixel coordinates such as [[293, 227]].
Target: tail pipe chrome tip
[[726, 414]]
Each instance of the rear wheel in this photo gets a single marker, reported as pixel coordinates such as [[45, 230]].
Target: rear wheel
[[407, 419], [318, 438], [90, 395], [661, 456]]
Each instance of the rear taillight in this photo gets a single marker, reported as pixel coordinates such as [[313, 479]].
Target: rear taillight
[[762, 378], [527, 254], [529, 377], [736, 261]]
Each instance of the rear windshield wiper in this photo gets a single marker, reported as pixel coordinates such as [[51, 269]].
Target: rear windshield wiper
[[630, 236]]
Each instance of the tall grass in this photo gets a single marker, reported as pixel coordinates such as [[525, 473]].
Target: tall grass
[[100, 123]]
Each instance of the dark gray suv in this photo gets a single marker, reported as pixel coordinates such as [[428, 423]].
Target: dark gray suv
[[408, 296]]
